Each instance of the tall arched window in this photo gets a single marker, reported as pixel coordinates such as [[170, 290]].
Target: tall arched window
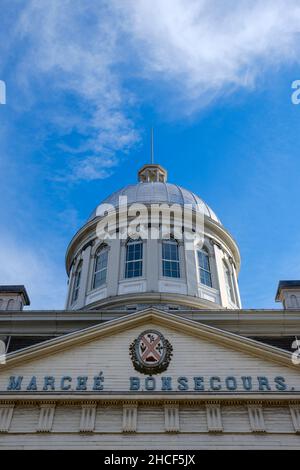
[[76, 284], [134, 259], [10, 304], [229, 283], [100, 268], [204, 267], [294, 301], [170, 259]]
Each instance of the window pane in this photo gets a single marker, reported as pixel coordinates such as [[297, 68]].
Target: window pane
[[170, 259], [205, 278], [76, 284], [100, 278], [134, 259], [100, 268], [203, 260], [137, 268], [101, 261], [204, 268], [130, 253]]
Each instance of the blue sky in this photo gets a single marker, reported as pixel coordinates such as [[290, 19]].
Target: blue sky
[[86, 81]]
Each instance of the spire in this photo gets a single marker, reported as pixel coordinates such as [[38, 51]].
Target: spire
[[152, 147], [151, 172]]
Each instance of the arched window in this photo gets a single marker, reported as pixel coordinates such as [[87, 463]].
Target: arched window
[[100, 268], [134, 259], [170, 259], [294, 301], [229, 283], [204, 267], [10, 304], [76, 284]]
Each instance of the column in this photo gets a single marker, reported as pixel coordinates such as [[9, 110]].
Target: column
[[6, 414], [172, 418], [256, 418], [46, 417], [88, 417], [129, 418], [214, 417]]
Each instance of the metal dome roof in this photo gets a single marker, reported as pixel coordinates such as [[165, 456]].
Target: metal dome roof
[[157, 192]]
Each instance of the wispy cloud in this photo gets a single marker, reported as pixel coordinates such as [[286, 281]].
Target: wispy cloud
[[206, 48], [71, 46], [198, 49]]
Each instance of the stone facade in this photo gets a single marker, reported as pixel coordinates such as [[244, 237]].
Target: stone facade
[[150, 361]]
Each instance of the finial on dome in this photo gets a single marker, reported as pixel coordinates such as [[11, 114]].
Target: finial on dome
[[152, 147], [152, 173]]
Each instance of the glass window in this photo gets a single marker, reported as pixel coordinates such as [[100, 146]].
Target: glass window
[[100, 269], [134, 259], [229, 283], [77, 282], [170, 259], [204, 268]]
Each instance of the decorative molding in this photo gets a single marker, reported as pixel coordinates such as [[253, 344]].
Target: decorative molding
[[256, 418], [156, 399], [214, 417], [295, 415], [46, 417], [214, 242], [172, 418], [129, 418], [6, 414], [88, 417]]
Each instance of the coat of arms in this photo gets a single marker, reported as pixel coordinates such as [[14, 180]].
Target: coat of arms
[[151, 352]]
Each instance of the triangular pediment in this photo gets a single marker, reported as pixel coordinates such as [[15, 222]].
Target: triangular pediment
[[202, 359]]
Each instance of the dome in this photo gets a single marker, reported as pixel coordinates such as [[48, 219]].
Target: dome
[[111, 272], [157, 192]]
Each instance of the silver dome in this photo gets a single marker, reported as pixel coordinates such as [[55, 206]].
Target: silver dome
[[157, 192]]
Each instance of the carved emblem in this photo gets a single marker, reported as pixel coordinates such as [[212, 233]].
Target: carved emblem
[[151, 352]]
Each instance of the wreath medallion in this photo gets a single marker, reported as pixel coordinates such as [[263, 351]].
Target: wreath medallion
[[151, 352]]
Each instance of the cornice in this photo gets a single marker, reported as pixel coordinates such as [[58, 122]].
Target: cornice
[[151, 399], [244, 322], [201, 330]]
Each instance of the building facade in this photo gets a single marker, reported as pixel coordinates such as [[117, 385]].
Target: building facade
[[153, 350]]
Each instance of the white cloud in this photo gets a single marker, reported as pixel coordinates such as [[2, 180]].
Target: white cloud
[[205, 48], [199, 49], [44, 280], [72, 45]]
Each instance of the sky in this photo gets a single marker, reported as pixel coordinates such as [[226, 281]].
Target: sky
[[86, 81]]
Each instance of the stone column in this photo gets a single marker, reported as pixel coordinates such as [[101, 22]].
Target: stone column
[[151, 269], [113, 267]]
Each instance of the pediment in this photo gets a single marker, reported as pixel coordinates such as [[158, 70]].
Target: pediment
[[97, 360]]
